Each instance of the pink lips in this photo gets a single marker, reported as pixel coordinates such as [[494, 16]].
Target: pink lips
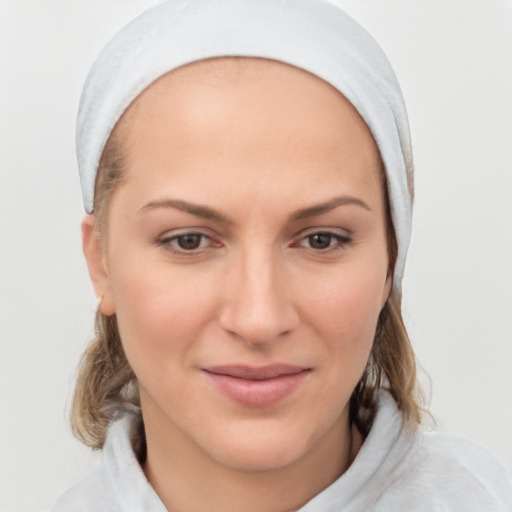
[[262, 386]]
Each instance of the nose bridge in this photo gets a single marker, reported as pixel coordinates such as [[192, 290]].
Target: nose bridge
[[258, 308]]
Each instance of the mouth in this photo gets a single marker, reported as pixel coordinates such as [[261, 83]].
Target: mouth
[[262, 386]]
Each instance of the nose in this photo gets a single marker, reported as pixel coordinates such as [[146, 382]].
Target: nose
[[258, 305]]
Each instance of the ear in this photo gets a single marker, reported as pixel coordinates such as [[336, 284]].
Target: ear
[[96, 257]]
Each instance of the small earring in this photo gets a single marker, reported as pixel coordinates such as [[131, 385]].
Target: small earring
[[99, 300]]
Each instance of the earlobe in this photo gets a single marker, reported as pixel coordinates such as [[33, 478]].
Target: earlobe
[[95, 255]]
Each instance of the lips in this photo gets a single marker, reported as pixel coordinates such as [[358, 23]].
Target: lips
[[262, 386]]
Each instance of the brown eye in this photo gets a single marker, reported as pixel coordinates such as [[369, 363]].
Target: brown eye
[[189, 242], [321, 240], [324, 241]]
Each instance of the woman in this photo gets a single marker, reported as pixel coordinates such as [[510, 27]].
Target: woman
[[247, 173]]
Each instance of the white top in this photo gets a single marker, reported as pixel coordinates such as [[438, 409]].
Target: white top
[[395, 470]]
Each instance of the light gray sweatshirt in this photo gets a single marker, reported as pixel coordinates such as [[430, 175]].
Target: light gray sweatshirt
[[396, 470]]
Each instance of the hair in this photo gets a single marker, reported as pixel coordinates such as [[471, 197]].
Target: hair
[[106, 382]]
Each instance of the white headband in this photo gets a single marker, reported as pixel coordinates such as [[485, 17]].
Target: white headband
[[314, 35]]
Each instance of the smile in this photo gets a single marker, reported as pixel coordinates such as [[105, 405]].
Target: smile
[[257, 387]]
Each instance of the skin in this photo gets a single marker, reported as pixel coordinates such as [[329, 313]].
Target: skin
[[257, 157]]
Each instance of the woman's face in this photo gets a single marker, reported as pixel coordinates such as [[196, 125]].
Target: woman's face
[[246, 259]]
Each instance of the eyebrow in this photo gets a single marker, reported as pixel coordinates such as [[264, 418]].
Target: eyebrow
[[321, 208], [198, 210], [206, 212]]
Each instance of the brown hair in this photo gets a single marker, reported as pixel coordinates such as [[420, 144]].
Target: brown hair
[[105, 379]]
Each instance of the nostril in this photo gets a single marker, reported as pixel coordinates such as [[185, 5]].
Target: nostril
[[258, 327]]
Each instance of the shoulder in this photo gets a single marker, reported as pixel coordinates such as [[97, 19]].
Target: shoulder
[[431, 471], [91, 493], [118, 483], [399, 468], [468, 467], [445, 472]]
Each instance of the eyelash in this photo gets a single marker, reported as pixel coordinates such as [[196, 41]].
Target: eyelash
[[172, 242], [340, 240]]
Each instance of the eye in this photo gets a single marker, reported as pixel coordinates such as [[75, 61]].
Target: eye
[[189, 242], [324, 240], [186, 242]]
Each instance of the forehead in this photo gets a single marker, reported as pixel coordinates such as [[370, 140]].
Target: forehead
[[260, 78], [232, 133]]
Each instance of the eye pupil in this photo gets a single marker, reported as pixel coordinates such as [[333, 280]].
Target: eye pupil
[[189, 242], [320, 240]]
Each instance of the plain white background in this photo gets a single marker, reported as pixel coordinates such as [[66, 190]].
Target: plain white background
[[454, 60]]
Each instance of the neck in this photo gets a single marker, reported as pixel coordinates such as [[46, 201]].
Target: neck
[[188, 479]]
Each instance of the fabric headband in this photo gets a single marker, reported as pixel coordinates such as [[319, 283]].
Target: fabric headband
[[313, 35]]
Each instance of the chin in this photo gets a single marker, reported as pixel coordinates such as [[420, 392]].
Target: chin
[[257, 456], [261, 447]]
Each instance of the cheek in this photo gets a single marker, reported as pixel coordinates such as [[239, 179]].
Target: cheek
[[160, 314], [354, 310], [344, 311], [349, 297]]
